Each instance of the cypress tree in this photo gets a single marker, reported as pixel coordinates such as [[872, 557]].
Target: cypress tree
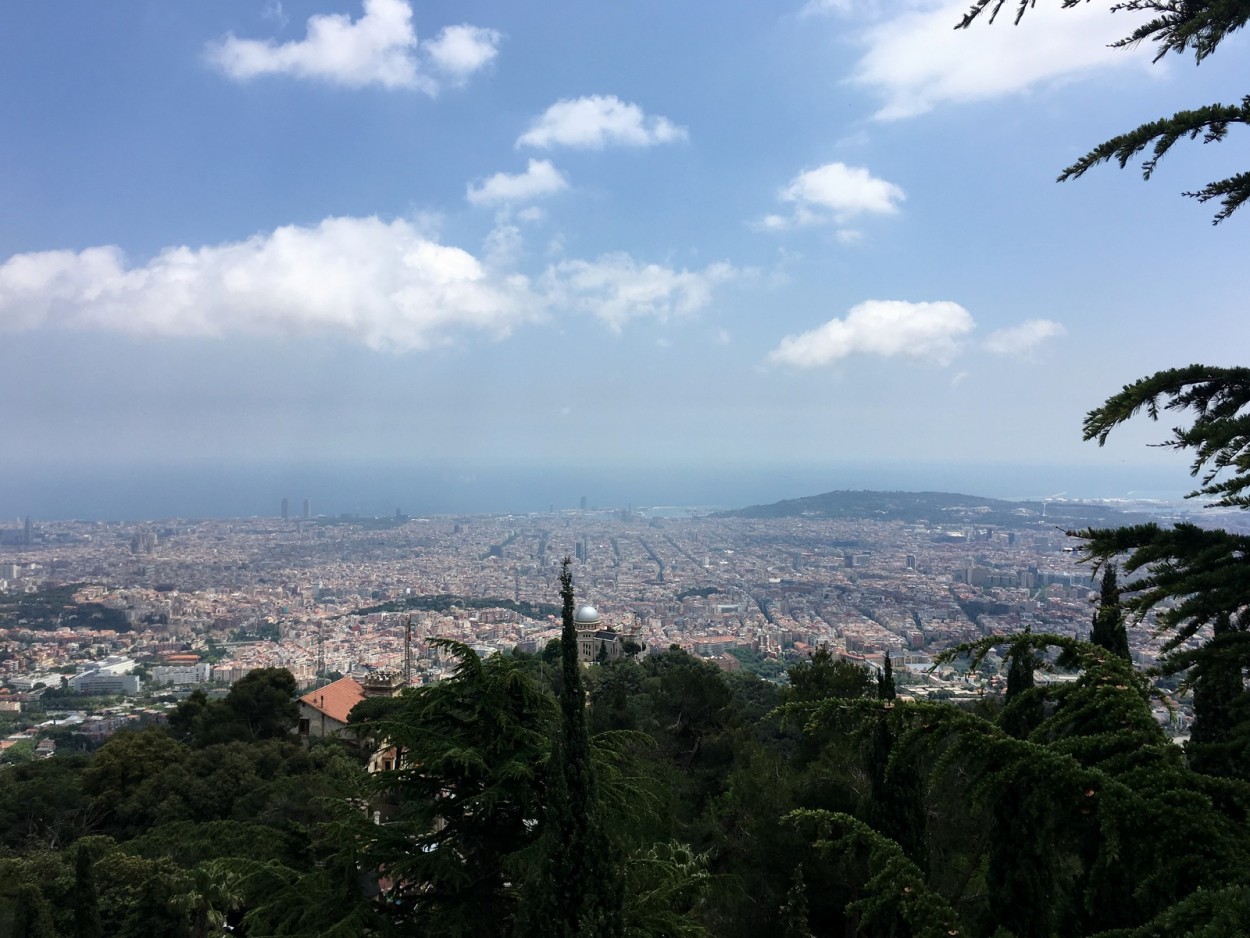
[[85, 899], [1109, 630], [1023, 708], [580, 888], [885, 679]]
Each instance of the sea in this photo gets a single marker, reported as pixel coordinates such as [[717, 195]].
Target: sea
[[333, 489]]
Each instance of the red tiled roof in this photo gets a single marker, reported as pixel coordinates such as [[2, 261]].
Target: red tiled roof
[[335, 700]]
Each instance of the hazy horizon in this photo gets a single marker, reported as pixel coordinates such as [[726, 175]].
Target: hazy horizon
[[154, 492]]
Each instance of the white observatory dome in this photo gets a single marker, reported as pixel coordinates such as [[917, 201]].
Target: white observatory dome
[[586, 615]]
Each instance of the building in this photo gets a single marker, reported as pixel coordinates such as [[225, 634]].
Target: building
[[285, 509], [595, 642], [324, 711], [110, 676]]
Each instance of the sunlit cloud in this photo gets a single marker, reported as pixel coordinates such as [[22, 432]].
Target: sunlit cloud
[[387, 285], [596, 122], [540, 179], [834, 193], [383, 284], [916, 60], [380, 48], [884, 328], [459, 51]]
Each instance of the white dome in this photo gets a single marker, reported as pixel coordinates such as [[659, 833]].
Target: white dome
[[586, 615]]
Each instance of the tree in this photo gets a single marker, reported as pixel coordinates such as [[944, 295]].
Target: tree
[[579, 889], [826, 676], [1198, 578], [885, 679], [461, 804], [1177, 26], [1109, 631]]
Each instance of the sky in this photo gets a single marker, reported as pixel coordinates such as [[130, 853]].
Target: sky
[[654, 239]]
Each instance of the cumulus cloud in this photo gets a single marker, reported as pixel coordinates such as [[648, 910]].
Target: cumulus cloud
[[916, 60], [886, 328], [379, 48], [385, 284], [380, 283], [540, 178], [462, 50], [1018, 340], [836, 193], [616, 288], [598, 121]]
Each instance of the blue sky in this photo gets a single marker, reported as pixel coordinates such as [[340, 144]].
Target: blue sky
[[653, 235]]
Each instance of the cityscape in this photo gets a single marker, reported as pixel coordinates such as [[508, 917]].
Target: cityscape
[[201, 603]]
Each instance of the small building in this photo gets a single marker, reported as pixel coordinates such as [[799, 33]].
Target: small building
[[324, 711]]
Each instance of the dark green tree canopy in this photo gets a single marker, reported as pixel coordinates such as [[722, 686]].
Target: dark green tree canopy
[[1175, 26]]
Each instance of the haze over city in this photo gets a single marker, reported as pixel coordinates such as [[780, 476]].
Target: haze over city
[[517, 254]]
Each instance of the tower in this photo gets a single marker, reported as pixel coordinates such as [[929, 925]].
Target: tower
[[307, 509], [28, 534], [285, 507]]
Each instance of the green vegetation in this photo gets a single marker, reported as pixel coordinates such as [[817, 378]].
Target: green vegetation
[[54, 608], [770, 669], [652, 797], [1195, 579], [1197, 25]]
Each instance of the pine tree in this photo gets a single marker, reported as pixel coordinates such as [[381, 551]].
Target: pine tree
[[1176, 26], [1109, 631], [1199, 578]]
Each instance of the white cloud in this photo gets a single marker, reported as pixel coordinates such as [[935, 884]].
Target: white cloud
[[826, 7], [539, 179], [380, 283], [1017, 340], [887, 328], [834, 192], [385, 284], [597, 121], [616, 288], [462, 50], [379, 48], [917, 60]]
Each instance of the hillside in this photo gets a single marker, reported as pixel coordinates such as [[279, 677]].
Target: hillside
[[943, 508]]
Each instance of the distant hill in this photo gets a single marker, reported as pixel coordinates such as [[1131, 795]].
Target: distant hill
[[943, 508]]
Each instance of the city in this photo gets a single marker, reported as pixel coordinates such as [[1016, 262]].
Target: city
[[202, 603]]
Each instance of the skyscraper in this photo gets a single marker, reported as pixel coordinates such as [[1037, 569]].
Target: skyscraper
[[284, 510], [307, 509], [28, 534]]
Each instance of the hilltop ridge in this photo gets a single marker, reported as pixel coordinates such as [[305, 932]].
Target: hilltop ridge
[[943, 508]]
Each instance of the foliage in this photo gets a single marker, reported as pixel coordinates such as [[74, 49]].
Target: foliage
[[1109, 630], [259, 706], [579, 890], [1195, 578], [1177, 26], [824, 676], [460, 806]]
